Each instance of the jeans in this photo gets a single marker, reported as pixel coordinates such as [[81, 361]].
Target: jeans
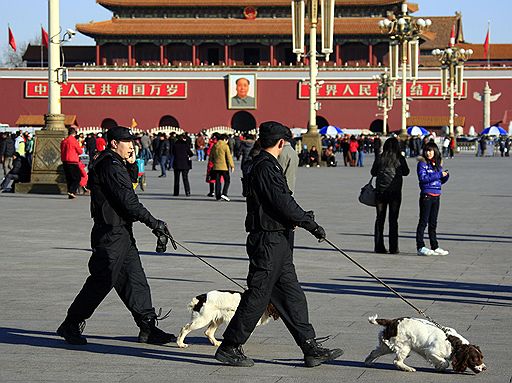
[[163, 165], [429, 209], [360, 158], [393, 200], [200, 154]]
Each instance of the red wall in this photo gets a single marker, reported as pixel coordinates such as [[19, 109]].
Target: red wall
[[206, 106]]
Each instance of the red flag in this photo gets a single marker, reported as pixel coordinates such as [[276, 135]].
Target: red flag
[[486, 44], [44, 38], [12, 42], [452, 36]]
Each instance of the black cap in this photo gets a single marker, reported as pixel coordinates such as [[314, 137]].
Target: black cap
[[274, 130], [120, 133]]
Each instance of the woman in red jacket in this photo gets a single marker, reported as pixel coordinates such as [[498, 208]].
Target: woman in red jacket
[[70, 150]]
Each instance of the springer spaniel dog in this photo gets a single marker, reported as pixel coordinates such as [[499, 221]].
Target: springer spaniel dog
[[403, 335], [214, 308]]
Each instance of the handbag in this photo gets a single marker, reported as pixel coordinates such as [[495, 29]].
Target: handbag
[[368, 195]]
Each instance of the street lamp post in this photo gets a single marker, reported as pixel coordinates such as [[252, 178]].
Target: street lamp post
[[452, 76], [404, 31], [47, 176], [385, 96], [312, 136]]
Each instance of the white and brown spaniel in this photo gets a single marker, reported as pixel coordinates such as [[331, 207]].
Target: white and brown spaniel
[[403, 335], [214, 308]]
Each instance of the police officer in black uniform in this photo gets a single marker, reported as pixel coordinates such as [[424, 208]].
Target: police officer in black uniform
[[272, 214], [115, 261]]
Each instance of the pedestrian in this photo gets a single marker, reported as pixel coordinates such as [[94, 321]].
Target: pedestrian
[[20, 172], [70, 151], [200, 144], [272, 213], [313, 157], [145, 143], [100, 142], [430, 176], [289, 161], [115, 261], [353, 145], [245, 148], [360, 151], [164, 150], [182, 164], [7, 152], [222, 160], [388, 168]]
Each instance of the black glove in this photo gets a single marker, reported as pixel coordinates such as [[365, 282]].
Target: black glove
[[163, 235], [311, 215], [319, 233]]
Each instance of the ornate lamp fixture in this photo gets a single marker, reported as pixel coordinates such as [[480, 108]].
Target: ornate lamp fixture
[[404, 32], [452, 61], [385, 96]]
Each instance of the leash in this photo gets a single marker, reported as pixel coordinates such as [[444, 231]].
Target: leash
[[173, 241], [421, 312]]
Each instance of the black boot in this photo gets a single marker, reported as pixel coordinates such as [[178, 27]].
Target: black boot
[[233, 355], [314, 355], [72, 332], [149, 333]]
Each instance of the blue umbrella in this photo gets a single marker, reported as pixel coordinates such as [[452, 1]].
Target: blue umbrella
[[417, 131], [494, 131], [330, 130]]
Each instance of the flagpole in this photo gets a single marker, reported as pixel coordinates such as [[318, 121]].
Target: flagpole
[[489, 48], [41, 45]]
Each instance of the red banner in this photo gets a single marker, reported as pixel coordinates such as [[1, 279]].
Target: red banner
[[368, 90], [110, 89]]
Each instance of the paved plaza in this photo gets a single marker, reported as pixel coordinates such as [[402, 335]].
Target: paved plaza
[[45, 247]]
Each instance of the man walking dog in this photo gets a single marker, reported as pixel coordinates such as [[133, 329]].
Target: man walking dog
[[272, 213]]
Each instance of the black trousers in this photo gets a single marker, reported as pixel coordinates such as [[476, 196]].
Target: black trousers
[[73, 175], [271, 278], [429, 210], [227, 179], [392, 200], [115, 263], [186, 184]]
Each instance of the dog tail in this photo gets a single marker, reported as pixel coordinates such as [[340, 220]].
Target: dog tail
[[382, 322]]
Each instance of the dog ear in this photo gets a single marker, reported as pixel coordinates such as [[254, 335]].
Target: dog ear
[[460, 358]]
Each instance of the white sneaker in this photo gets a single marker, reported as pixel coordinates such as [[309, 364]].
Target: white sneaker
[[426, 251], [225, 197], [440, 251]]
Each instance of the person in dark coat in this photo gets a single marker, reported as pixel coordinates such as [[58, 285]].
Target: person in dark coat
[[272, 213], [182, 164], [115, 261], [389, 168], [245, 148], [20, 172], [164, 151], [7, 151]]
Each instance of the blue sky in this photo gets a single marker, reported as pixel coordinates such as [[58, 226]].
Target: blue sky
[[26, 16]]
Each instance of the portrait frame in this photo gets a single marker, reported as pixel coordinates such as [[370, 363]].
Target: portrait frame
[[234, 100]]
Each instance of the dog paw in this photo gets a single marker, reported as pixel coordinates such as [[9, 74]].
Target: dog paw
[[217, 343], [182, 345]]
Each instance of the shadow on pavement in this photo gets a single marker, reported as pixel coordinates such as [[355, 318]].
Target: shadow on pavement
[[418, 289]]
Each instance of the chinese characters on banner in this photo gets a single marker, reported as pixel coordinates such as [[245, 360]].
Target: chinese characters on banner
[[110, 89], [368, 89]]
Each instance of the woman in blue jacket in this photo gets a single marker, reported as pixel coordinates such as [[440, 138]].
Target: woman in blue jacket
[[430, 176]]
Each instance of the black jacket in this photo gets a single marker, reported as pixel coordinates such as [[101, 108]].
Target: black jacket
[[113, 200], [164, 148], [21, 168], [389, 178], [7, 149], [270, 205], [182, 153]]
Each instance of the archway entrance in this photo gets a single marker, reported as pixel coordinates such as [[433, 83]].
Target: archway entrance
[[320, 122], [243, 121], [377, 125], [168, 120], [108, 123]]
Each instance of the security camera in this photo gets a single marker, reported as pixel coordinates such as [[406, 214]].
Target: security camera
[[71, 32]]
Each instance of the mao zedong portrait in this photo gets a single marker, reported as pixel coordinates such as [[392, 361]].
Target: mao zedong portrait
[[242, 98]]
